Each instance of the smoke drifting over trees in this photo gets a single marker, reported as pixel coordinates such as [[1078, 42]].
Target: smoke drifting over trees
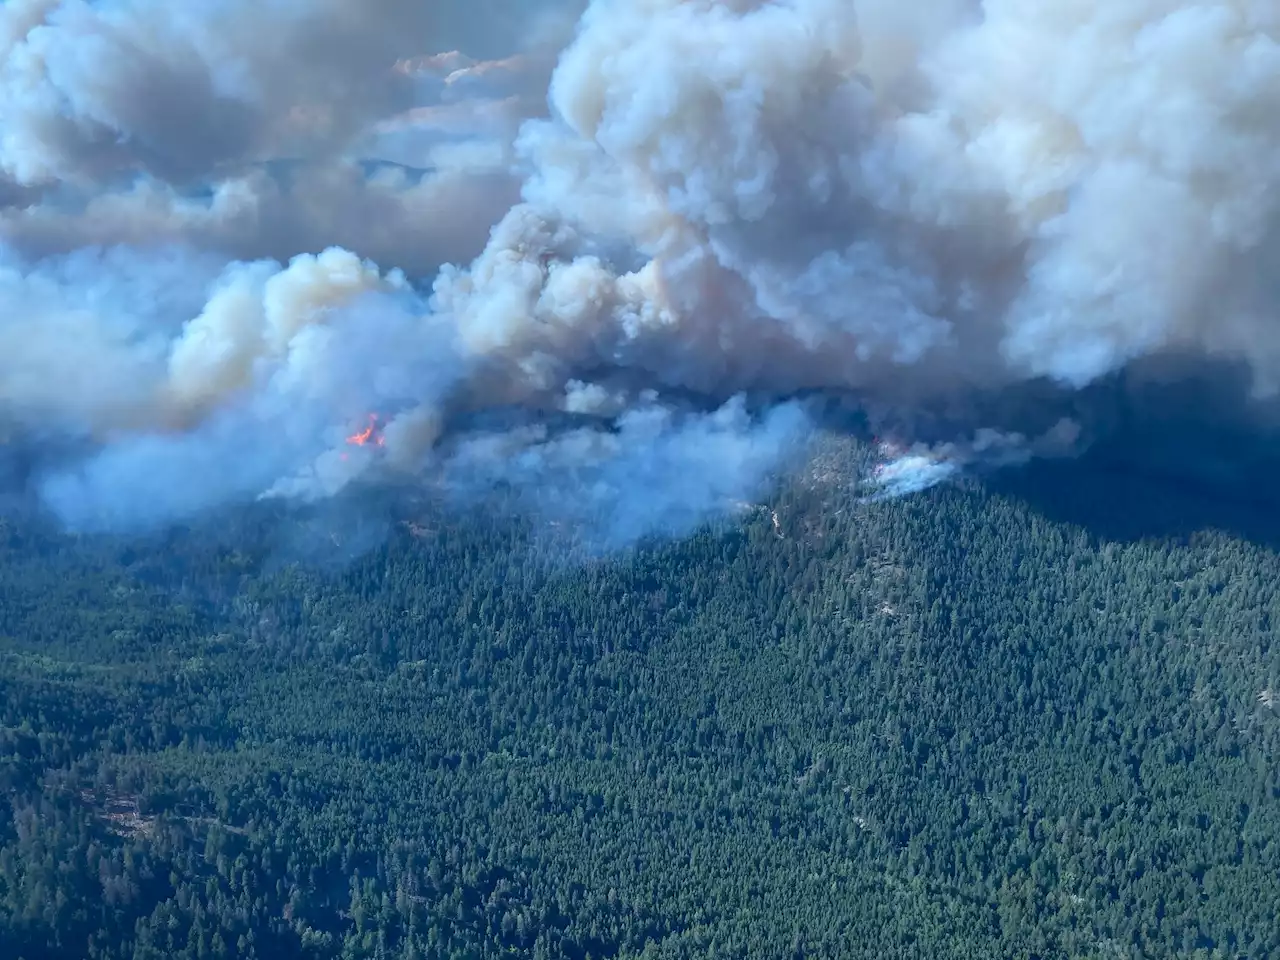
[[612, 252]]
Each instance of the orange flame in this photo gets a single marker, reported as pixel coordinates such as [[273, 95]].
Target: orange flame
[[370, 434]]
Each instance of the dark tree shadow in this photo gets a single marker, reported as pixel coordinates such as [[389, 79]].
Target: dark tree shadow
[[1179, 446], [1127, 492]]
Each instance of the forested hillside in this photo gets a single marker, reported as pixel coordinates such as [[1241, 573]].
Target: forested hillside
[[966, 724]]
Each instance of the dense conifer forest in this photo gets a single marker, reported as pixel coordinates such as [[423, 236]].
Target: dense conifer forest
[[1036, 716]]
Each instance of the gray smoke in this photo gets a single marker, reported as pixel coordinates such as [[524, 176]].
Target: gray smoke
[[596, 251]]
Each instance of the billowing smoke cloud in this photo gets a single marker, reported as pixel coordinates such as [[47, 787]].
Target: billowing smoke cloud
[[599, 252], [901, 472], [241, 127]]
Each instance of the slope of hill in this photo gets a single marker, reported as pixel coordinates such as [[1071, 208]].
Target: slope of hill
[[962, 724]]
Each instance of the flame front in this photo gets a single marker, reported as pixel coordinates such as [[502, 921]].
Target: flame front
[[370, 434]]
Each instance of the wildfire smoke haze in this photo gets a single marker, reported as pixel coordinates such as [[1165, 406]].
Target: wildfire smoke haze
[[617, 254]]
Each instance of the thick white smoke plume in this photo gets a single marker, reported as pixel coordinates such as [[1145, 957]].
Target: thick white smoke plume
[[236, 231], [903, 471]]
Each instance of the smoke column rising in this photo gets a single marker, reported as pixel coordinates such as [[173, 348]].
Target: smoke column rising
[[596, 250]]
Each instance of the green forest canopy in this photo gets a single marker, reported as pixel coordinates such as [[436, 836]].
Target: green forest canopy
[[971, 723]]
